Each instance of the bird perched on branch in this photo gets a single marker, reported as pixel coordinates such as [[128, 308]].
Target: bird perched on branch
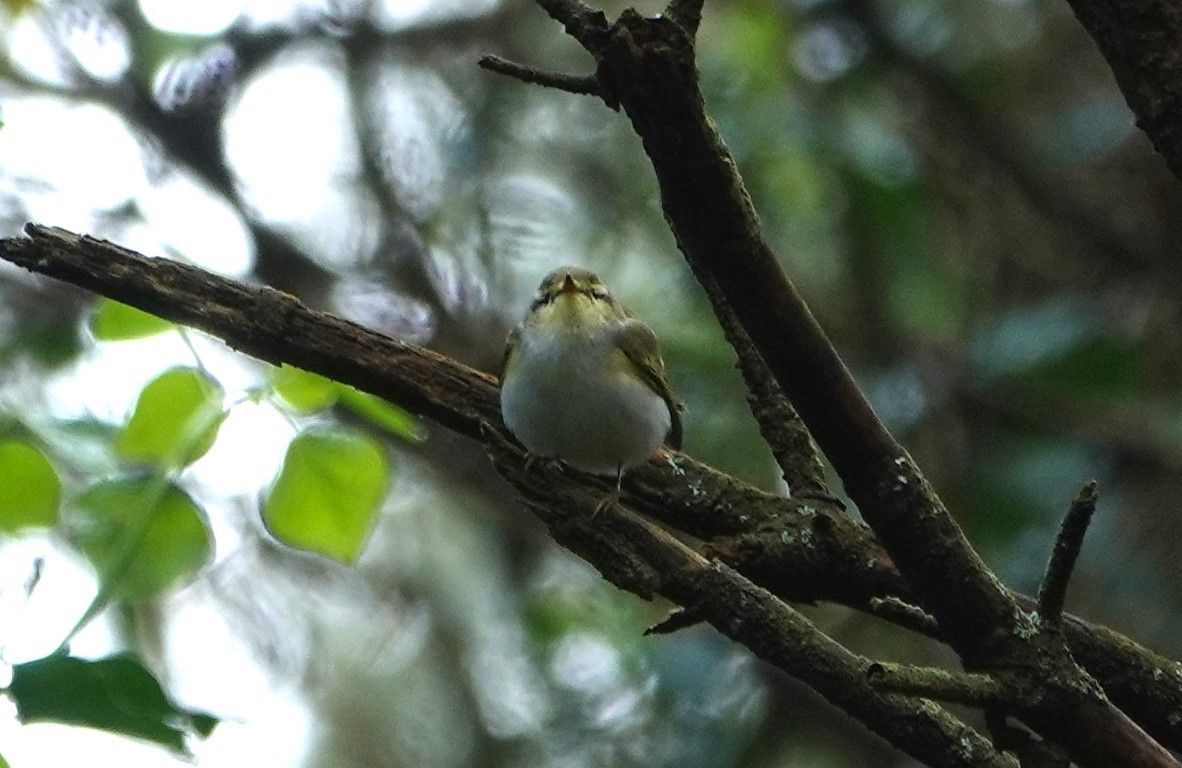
[[582, 380]]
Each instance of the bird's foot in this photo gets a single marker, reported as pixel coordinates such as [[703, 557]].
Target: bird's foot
[[609, 501], [534, 461], [613, 498]]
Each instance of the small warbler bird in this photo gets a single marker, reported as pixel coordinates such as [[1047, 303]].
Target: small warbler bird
[[582, 380]]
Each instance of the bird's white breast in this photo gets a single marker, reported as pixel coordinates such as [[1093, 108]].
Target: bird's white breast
[[576, 397]]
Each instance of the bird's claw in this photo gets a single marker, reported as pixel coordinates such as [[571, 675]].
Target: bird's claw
[[611, 500], [534, 461]]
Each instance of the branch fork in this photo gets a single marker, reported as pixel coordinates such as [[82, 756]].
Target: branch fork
[[646, 67]]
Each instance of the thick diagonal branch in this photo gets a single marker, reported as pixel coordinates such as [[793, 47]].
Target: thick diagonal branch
[[644, 558], [647, 67], [805, 555], [1139, 38], [780, 426], [633, 553]]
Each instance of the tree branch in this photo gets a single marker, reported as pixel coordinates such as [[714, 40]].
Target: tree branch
[[687, 14], [780, 426], [583, 85], [799, 552], [1053, 592], [974, 690], [581, 21], [648, 67], [629, 551], [645, 559], [1139, 38], [905, 614]]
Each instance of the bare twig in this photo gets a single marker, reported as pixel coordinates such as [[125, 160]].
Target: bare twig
[[1052, 594], [581, 21], [780, 426], [583, 85], [904, 614], [687, 14], [968, 688], [682, 618]]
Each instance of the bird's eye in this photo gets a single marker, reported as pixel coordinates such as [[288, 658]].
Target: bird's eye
[[597, 292]]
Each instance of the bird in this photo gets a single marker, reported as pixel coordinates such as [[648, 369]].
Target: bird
[[583, 382]]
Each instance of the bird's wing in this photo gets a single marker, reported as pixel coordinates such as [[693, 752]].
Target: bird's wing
[[639, 344], [510, 348]]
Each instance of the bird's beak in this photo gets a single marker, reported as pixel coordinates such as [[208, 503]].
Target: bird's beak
[[568, 285]]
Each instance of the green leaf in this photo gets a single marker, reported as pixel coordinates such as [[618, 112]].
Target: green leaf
[[142, 534], [327, 494], [116, 694], [30, 492], [175, 419], [304, 391], [382, 414], [114, 321], [3, 762]]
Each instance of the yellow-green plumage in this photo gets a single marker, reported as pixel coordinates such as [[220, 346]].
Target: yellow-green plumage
[[583, 381]]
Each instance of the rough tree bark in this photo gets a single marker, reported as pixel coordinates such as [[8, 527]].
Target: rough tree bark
[[1140, 40], [1085, 689]]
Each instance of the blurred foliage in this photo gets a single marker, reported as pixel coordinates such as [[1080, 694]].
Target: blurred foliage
[[141, 533], [957, 189]]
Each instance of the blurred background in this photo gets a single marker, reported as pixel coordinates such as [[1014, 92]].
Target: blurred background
[[957, 188]]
